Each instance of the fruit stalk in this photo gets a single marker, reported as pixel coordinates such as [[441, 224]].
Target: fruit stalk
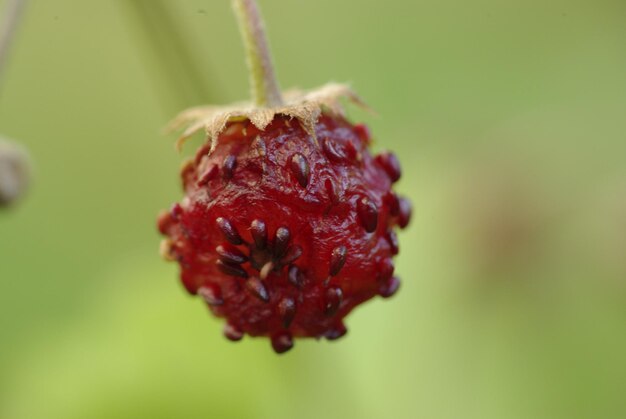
[[263, 83]]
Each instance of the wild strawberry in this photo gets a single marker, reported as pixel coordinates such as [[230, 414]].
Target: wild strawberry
[[14, 172], [288, 220]]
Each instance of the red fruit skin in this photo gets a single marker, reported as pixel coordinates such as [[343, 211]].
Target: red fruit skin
[[320, 209]]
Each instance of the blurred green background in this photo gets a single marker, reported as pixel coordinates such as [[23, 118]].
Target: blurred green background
[[509, 120]]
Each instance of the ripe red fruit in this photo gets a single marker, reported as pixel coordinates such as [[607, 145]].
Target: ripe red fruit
[[284, 230], [288, 221]]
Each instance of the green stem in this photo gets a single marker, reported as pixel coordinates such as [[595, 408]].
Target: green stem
[[263, 83]]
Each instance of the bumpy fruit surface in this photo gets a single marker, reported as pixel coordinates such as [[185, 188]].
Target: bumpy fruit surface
[[283, 233]]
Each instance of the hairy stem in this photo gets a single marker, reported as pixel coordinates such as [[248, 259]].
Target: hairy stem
[[263, 83]]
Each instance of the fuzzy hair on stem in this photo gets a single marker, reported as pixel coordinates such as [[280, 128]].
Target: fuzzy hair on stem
[[263, 83]]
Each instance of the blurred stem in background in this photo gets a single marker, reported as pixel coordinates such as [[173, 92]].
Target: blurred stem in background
[[14, 161], [14, 172], [10, 21], [181, 81]]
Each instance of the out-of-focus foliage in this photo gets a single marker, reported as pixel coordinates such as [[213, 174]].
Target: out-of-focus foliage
[[508, 118]]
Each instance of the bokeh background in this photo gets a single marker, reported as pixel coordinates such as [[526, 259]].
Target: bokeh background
[[509, 120]]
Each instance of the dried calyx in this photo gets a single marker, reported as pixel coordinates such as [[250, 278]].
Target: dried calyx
[[306, 107]]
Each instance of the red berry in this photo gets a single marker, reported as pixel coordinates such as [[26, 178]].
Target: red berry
[[288, 221], [296, 232]]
